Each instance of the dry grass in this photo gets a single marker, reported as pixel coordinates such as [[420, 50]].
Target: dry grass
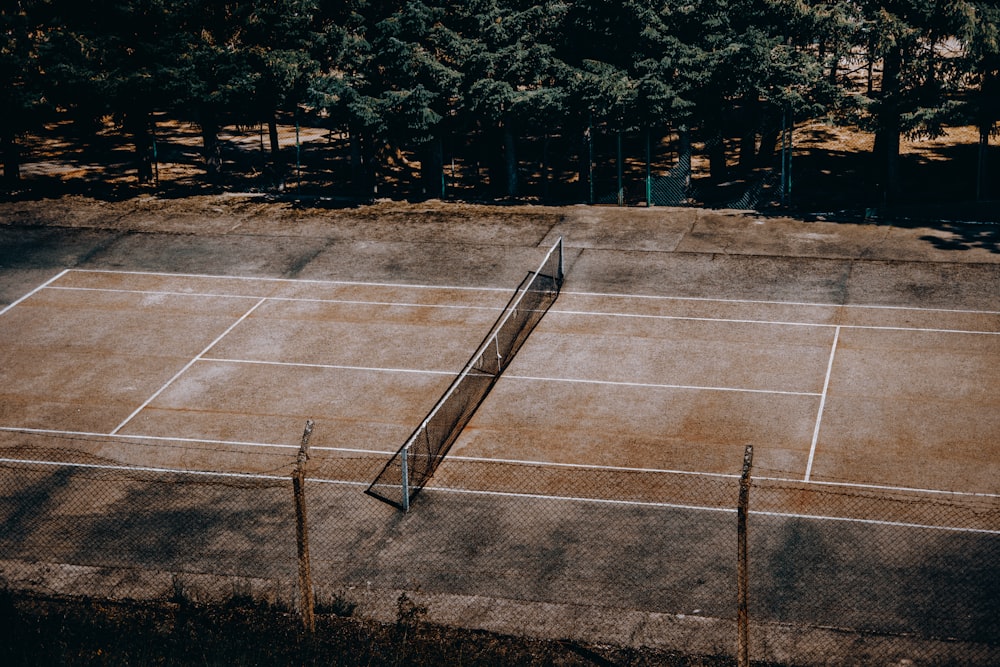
[[72, 632]]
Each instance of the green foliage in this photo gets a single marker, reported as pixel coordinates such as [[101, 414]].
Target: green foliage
[[20, 69], [404, 73]]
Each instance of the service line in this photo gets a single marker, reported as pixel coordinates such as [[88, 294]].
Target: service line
[[187, 366], [47, 283]]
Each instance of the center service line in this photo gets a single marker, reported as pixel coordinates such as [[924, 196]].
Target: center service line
[[822, 404], [187, 366]]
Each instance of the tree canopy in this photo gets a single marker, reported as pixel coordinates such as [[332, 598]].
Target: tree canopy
[[404, 74]]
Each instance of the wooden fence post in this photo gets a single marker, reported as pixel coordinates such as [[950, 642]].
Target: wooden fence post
[[742, 575], [307, 602]]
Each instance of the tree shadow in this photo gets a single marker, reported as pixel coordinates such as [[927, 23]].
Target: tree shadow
[[967, 237]]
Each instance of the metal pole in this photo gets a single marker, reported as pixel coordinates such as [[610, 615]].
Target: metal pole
[[156, 161], [621, 188], [742, 573], [786, 156], [649, 173], [590, 158]]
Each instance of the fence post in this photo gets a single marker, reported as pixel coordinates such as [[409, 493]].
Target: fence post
[[621, 172], [649, 170], [404, 473], [307, 600], [786, 156], [590, 158], [298, 154], [742, 577]]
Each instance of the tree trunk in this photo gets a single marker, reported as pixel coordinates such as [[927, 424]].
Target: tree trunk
[[546, 168], [510, 161], [357, 161], [272, 135], [749, 124], [586, 163], [364, 161], [886, 149], [491, 150], [716, 147], [137, 123], [211, 146], [11, 158], [432, 168], [981, 162], [275, 166]]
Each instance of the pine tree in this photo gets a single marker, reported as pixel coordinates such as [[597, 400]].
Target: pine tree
[[20, 81], [279, 39], [243, 60], [395, 83], [982, 44], [918, 83], [335, 90], [112, 57], [513, 80]]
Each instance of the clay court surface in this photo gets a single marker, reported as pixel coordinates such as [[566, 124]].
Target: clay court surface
[[197, 372]]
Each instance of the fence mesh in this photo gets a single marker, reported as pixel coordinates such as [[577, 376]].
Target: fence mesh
[[847, 574], [837, 574]]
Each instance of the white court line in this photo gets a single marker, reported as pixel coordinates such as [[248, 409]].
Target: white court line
[[197, 441], [298, 364], [781, 303], [292, 280], [154, 438], [583, 499], [881, 487], [818, 325], [584, 313], [646, 385], [585, 466], [502, 494], [47, 283], [650, 385], [118, 290], [877, 522], [104, 466], [554, 310], [702, 508], [187, 366], [505, 289], [822, 404], [356, 302]]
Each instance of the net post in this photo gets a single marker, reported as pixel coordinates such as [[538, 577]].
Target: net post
[[742, 571], [405, 475], [496, 346], [559, 276]]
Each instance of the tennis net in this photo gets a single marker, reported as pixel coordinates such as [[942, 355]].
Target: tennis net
[[414, 463]]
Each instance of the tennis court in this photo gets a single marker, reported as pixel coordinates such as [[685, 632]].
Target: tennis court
[[232, 367], [641, 402]]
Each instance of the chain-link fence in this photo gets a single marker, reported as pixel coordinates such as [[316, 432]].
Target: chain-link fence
[[692, 167], [833, 574]]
